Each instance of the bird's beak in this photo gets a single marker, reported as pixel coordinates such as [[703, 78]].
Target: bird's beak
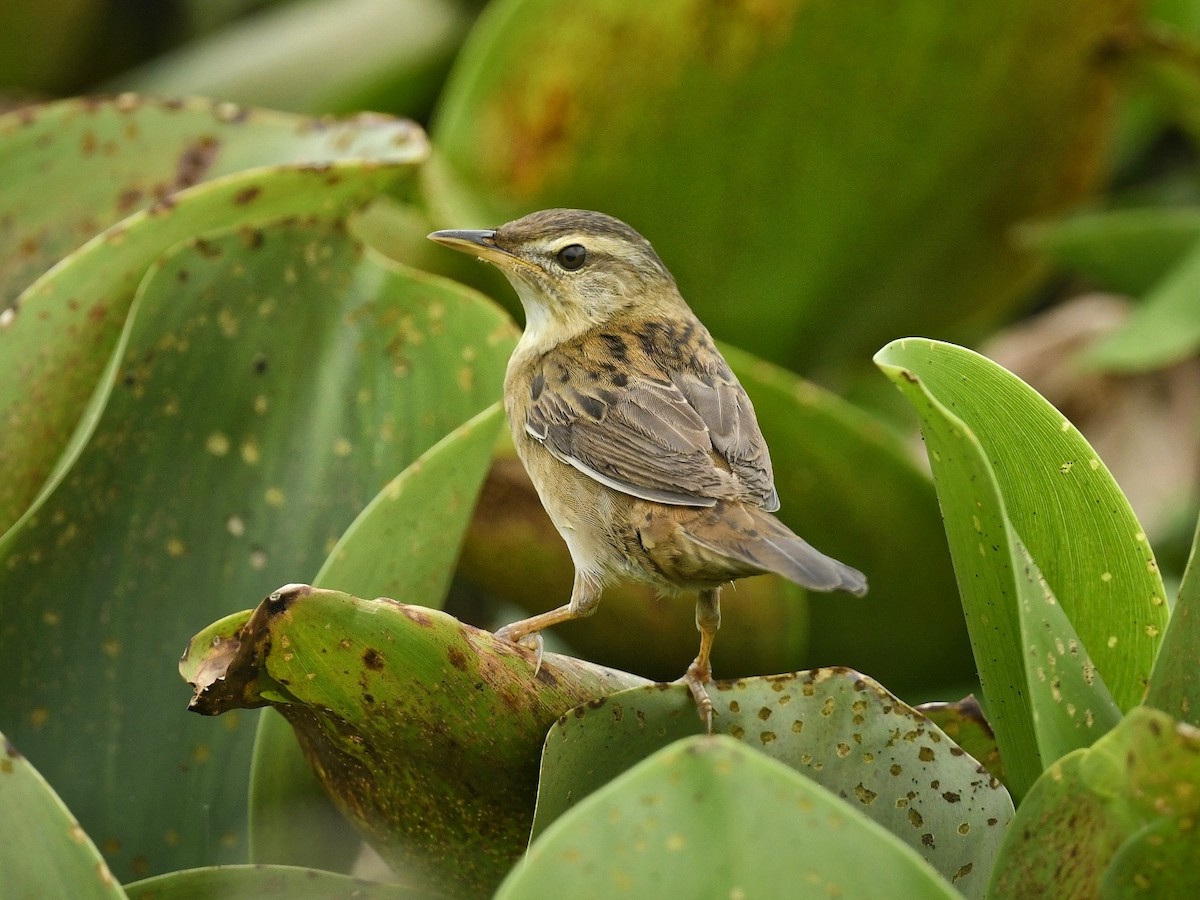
[[481, 243]]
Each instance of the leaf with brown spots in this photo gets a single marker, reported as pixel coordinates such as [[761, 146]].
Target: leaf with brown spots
[[1115, 820], [438, 769], [966, 725], [834, 725]]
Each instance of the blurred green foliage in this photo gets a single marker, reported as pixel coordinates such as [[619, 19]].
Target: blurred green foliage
[[222, 333]]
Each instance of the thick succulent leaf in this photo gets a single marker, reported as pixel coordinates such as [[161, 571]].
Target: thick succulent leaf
[[271, 381], [965, 724], [425, 732], [1115, 820], [1164, 329], [402, 545], [685, 817], [43, 850], [767, 221], [266, 882], [1012, 474], [56, 341], [402, 49], [840, 728], [1124, 250], [1175, 682]]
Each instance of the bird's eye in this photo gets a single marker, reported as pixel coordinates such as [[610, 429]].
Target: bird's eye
[[572, 256]]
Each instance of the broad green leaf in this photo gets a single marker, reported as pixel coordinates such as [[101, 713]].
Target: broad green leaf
[[255, 882], [1125, 250], [768, 221], [710, 817], [1115, 820], [1012, 474], [1062, 502], [1163, 330], [271, 381], [1175, 682], [964, 723], [839, 728], [56, 341], [43, 850], [402, 545], [402, 49], [425, 732]]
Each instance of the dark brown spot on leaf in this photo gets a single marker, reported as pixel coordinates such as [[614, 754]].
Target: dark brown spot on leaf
[[247, 195], [457, 658], [372, 659]]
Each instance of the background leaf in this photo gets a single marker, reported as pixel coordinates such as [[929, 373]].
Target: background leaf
[[56, 342], [678, 158], [272, 380], [680, 819], [254, 882], [43, 851]]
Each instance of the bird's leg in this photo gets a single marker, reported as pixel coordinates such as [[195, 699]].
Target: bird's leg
[[585, 597], [699, 673]]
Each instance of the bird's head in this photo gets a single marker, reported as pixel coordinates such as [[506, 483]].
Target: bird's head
[[573, 269]]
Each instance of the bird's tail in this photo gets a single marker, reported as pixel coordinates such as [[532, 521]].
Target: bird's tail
[[754, 541]]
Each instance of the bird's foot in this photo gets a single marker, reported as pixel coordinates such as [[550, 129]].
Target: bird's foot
[[696, 678], [530, 641]]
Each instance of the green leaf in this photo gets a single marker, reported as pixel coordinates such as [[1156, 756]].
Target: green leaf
[[1163, 330], [271, 381], [1012, 474], [267, 59], [402, 545], [426, 732], [1125, 250], [709, 817], [43, 851], [1116, 820], [725, 197], [254, 882], [56, 343], [1175, 682], [839, 728]]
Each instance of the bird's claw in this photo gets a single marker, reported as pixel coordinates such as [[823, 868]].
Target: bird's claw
[[531, 641], [696, 679]]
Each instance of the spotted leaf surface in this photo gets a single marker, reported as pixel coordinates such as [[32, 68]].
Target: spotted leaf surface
[[424, 731], [60, 332], [1062, 595], [271, 381], [835, 726], [1175, 683], [681, 817], [1116, 820], [43, 850]]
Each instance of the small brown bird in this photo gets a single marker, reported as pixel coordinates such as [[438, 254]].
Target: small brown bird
[[641, 443]]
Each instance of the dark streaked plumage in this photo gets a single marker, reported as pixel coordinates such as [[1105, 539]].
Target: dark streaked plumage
[[640, 441]]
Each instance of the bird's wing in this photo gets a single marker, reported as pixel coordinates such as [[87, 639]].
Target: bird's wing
[[672, 427]]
